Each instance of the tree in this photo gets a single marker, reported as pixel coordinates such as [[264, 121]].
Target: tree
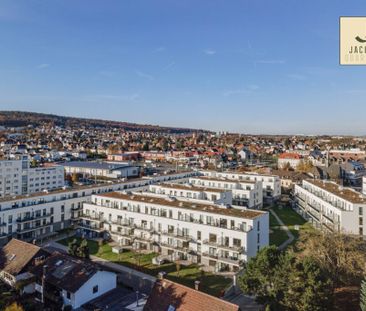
[[341, 256], [73, 248], [14, 307], [308, 287], [83, 249], [259, 276], [177, 266], [363, 295], [283, 281], [75, 177]]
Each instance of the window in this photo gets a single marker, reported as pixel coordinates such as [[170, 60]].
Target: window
[[95, 289], [68, 295], [360, 211]]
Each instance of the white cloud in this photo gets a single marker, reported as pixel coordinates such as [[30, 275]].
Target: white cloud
[[209, 52], [159, 49], [246, 90], [144, 75], [271, 61], [296, 76], [43, 66]]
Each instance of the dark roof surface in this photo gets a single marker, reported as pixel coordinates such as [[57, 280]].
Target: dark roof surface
[[66, 272]]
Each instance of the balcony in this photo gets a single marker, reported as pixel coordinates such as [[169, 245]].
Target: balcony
[[35, 217], [92, 227], [33, 228], [177, 236], [121, 234], [92, 218], [230, 260], [238, 249], [175, 247]]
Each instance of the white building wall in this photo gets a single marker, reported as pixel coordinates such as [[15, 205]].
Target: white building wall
[[106, 281]]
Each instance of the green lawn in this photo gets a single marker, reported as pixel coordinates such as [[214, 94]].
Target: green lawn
[[210, 283], [290, 218], [277, 236]]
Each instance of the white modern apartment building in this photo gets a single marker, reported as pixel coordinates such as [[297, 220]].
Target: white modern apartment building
[[244, 192], [332, 207], [192, 193], [35, 216], [216, 236], [101, 169], [364, 185], [18, 178], [271, 183]]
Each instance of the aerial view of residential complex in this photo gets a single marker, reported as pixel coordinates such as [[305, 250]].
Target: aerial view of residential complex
[[182, 155]]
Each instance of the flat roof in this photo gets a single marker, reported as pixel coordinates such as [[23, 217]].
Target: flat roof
[[96, 165], [208, 208], [225, 179], [241, 173], [82, 187], [190, 187], [347, 194]]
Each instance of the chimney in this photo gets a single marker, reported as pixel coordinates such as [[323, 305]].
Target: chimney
[[197, 285], [161, 275]]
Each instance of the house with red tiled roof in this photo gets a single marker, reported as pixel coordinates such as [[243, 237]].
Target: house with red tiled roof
[[170, 296], [289, 159]]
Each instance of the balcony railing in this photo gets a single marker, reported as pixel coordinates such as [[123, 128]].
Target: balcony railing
[[35, 217], [234, 248]]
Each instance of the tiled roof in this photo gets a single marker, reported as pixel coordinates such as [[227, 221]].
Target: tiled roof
[[167, 295], [16, 255]]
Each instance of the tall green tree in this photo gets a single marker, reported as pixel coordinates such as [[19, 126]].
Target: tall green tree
[[73, 248], [282, 281], [259, 276], [363, 295], [308, 287]]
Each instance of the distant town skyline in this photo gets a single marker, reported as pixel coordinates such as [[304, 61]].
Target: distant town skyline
[[247, 67]]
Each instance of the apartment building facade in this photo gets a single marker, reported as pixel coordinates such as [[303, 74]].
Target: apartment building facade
[[190, 192], [271, 183], [35, 216], [218, 237], [331, 207], [245, 193], [18, 178]]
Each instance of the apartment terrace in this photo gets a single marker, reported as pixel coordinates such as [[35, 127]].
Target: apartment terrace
[[346, 194], [218, 245], [188, 187], [223, 179], [245, 214]]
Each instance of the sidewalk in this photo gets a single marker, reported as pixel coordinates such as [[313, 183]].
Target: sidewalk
[[285, 228]]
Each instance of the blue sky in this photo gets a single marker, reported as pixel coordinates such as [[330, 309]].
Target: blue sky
[[244, 66]]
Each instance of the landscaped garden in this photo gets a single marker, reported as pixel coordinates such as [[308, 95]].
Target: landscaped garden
[[210, 283], [290, 218]]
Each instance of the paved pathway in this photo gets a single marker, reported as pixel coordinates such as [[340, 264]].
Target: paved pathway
[[284, 227]]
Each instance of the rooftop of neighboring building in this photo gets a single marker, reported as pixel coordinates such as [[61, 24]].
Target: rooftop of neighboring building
[[189, 187], [95, 165], [208, 208], [168, 295], [223, 179], [347, 194], [290, 155], [16, 255], [66, 272]]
